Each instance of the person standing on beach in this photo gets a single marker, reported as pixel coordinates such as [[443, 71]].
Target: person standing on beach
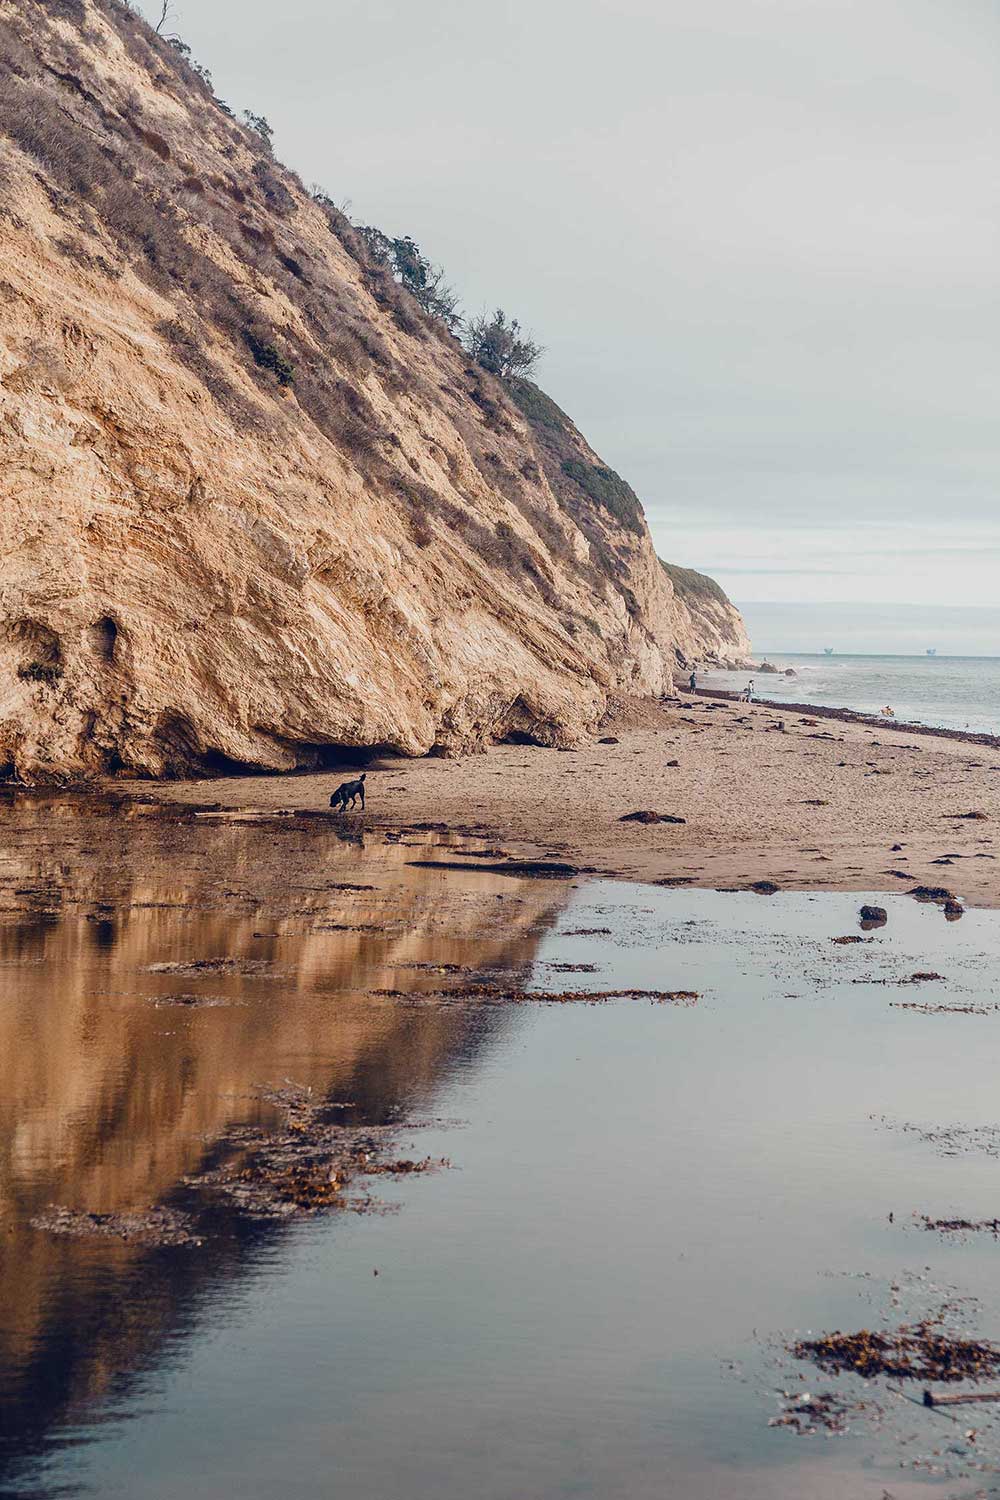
[[750, 691], [693, 683]]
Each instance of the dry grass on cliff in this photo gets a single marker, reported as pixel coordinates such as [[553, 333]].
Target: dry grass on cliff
[[115, 179]]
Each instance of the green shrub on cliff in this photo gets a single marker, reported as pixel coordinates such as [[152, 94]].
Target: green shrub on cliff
[[268, 358], [537, 407], [422, 279], [501, 347], [609, 490], [693, 585]]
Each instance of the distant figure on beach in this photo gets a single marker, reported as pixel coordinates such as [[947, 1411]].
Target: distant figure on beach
[[887, 713], [693, 683], [747, 694], [348, 791]]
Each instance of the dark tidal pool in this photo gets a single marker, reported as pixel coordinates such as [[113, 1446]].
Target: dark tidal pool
[[646, 1202]]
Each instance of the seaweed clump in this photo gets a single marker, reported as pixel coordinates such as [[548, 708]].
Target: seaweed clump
[[307, 1164], [914, 1352]]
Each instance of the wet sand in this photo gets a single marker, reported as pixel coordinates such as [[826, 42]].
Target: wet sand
[[817, 805]]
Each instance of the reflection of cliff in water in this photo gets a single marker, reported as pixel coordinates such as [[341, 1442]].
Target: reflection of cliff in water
[[108, 1100]]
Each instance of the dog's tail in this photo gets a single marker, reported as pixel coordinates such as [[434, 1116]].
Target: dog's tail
[[363, 775]]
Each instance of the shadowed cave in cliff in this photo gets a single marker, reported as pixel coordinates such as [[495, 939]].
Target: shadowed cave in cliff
[[183, 753]]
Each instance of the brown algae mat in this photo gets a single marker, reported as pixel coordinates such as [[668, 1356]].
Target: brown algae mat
[[918, 1351]]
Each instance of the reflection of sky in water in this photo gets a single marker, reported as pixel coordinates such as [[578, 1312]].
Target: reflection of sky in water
[[638, 1188]]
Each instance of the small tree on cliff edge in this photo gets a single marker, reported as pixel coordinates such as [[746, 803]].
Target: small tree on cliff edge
[[500, 346], [412, 269]]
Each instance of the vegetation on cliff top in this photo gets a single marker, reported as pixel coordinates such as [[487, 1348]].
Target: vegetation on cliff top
[[496, 343], [608, 489], [540, 409], [693, 586], [501, 346]]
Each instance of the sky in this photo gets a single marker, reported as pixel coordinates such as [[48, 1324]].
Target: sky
[[759, 239]]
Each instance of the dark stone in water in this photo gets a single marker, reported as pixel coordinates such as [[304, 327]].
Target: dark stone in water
[[873, 916]]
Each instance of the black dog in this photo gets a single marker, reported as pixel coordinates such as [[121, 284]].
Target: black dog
[[348, 791]]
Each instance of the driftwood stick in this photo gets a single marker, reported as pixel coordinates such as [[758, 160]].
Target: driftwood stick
[[930, 1399]]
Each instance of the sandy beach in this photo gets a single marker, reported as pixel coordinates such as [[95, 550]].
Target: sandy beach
[[824, 803]]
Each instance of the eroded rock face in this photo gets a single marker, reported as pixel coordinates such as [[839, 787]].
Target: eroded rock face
[[255, 503]]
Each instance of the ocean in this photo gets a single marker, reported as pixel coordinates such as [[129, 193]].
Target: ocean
[[949, 692]]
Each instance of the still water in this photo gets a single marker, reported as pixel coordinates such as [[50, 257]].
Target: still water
[[645, 1201], [948, 692]]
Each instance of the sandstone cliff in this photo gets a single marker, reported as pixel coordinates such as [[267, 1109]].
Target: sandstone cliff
[[256, 504], [709, 627]]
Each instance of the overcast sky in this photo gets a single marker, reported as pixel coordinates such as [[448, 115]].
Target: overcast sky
[[760, 240]]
